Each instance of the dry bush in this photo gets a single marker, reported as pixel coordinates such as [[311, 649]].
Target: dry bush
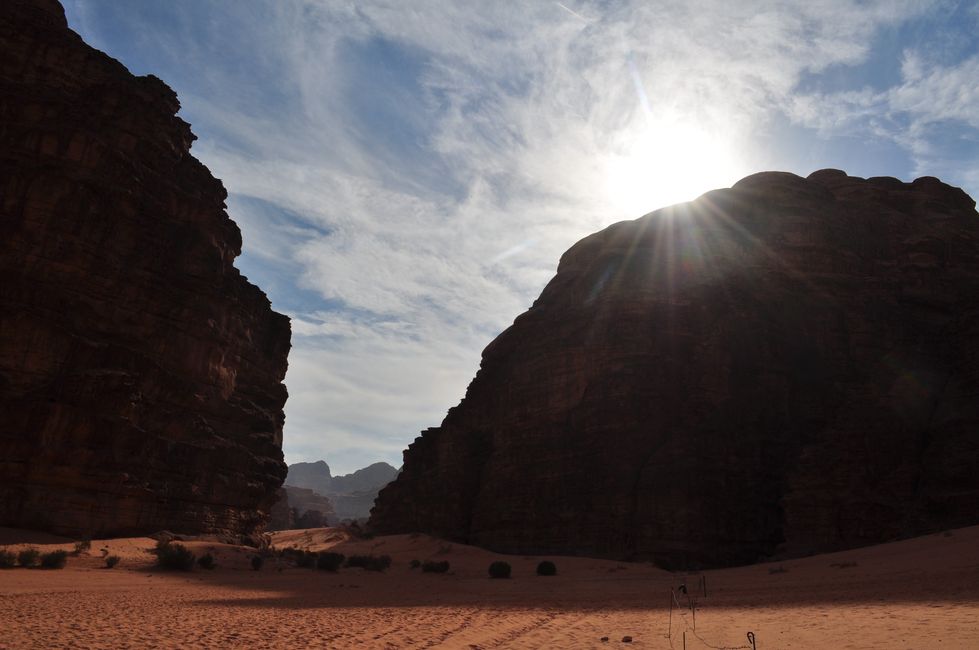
[[499, 569], [170, 555], [430, 566], [369, 562], [329, 562], [546, 568], [28, 557], [54, 560]]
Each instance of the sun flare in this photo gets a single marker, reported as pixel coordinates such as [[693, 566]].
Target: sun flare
[[666, 162]]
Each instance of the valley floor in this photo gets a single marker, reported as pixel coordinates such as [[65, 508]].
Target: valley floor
[[912, 594]]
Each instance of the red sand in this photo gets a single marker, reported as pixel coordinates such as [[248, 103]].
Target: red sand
[[917, 593]]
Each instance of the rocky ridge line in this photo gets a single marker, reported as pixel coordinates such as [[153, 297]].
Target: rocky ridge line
[[784, 367]]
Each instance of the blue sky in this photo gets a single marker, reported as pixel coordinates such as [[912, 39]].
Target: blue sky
[[407, 174]]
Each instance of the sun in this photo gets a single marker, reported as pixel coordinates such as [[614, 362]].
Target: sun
[[667, 161]]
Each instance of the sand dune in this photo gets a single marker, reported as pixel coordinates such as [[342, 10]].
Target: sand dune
[[922, 592]]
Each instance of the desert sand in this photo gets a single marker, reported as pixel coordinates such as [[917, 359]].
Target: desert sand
[[917, 593]]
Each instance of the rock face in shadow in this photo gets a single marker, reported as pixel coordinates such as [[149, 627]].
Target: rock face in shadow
[[787, 366], [281, 515], [301, 508], [140, 373]]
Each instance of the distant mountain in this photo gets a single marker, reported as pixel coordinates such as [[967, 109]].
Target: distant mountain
[[352, 495], [313, 476], [372, 477]]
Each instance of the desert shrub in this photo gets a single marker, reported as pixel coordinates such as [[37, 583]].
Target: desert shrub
[[28, 557], [82, 546], [257, 562], [329, 561], [7, 559], [358, 561], [546, 568], [777, 569], [499, 569], [415, 564], [370, 562], [307, 560], [54, 560], [111, 561], [170, 555], [290, 553], [430, 566], [206, 561]]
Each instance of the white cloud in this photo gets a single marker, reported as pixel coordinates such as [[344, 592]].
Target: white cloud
[[941, 93], [526, 103], [930, 113], [513, 118]]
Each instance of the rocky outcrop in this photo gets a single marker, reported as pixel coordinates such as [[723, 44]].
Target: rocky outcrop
[[301, 508], [313, 476], [140, 373], [353, 494], [355, 506], [366, 479], [787, 366], [281, 516]]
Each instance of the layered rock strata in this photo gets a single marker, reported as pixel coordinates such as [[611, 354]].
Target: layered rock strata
[[140, 373], [787, 366]]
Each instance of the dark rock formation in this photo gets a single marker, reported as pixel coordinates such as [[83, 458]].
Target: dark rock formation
[[140, 373], [786, 366], [373, 477], [301, 508], [304, 502], [314, 476], [355, 506], [281, 515], [353, 494]]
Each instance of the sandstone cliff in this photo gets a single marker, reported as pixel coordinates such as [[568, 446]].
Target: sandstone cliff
[[787, 366], [140, 373]]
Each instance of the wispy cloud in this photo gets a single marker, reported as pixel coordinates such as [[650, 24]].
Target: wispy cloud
[[408, 174], [932, 112]]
